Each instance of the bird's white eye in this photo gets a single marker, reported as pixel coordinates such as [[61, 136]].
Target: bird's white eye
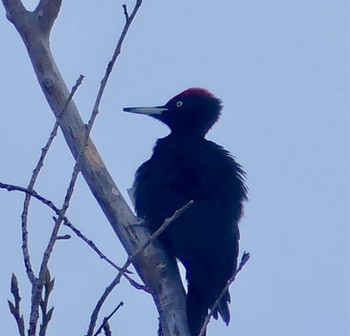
[[179, 103]]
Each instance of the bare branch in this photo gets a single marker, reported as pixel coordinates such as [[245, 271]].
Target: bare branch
[[244, 260], [100, 302], [107, 318], [126, 14], [107, 329], [64, 237], [116, 281], [38, 283], [123, 270], [93, 116], [68, 223], [161, 229], [36, 171], [158, 271], [117, 51]]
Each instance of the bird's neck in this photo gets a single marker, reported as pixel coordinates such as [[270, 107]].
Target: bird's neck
[[175, 142], [187, 134]]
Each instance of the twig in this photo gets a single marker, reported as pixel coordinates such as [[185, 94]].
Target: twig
[[106, 319], [68, 223], [107, 329], [36, 171], [64, 237], [37, 285], [95, 172], [117, 51], [244, 260], [156, 234], [128, 262], [100, 302], [89, 126], [124, 271], [126, 14], [161, 229]]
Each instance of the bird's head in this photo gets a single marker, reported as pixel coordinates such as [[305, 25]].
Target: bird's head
[[193, 111]]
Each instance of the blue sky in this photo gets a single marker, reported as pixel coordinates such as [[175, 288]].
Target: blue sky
[[281, 69]]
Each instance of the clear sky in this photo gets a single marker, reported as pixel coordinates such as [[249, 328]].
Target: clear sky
[[282, 71]]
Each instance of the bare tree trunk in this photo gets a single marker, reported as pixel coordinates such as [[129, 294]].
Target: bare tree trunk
[[158, 271]]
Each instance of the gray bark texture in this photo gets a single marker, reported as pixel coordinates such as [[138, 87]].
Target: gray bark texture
[[158, 271]]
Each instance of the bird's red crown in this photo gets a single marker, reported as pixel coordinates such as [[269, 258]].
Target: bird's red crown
[[196, 92]]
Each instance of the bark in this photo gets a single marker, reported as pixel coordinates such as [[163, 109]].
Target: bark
[[158, 271]]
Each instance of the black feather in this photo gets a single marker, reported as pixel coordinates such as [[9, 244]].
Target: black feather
[[185, 166]]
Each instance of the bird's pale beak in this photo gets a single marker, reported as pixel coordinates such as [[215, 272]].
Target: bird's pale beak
[[156, 110]]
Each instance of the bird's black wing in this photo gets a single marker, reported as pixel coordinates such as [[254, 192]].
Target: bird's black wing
[[205, 237]]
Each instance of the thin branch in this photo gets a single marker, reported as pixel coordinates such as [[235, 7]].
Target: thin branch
[[124, 271], [36, 171], [38, 283], [77, 165], [126, 14], [244, 260], [64, 237], [117, 51], [107, 329], [47, 12], [95, 110], [107, 318], [100, 302], [156, 234], [92, 119], [161, 229], [68, 223], [116, 280], [156, 268]]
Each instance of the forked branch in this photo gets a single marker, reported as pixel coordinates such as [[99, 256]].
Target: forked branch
[[157, 270]]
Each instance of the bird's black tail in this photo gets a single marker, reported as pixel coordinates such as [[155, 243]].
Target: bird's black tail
[[197, 310], [223, 308]]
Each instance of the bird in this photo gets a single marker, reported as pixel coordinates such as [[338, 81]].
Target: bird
[[186, 166]]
